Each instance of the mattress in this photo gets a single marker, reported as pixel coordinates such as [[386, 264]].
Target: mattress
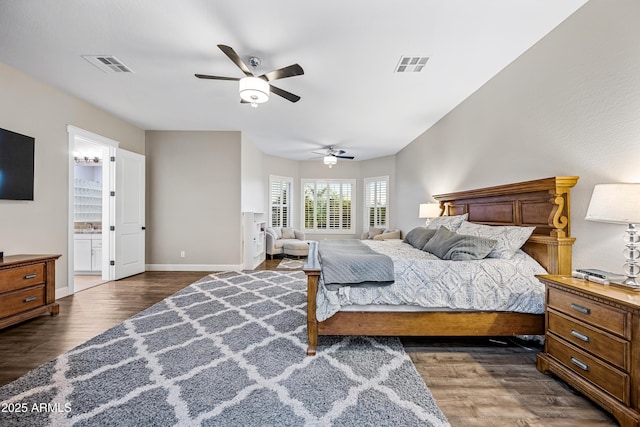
[[422, 280]]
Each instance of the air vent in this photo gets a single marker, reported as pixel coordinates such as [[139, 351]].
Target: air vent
[[108, 64], [411, 64]]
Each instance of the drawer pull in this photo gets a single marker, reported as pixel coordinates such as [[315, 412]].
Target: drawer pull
[[30, 276], [29, 299], [580, 335], [579, 364], [581, 309]]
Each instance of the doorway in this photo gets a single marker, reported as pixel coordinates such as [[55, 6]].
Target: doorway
[[89, 208], [106, 211]]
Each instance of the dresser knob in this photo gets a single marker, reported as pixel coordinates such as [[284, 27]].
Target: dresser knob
[[29, 299], [579, 364], [580, 335], [581, 309], [29, 276]]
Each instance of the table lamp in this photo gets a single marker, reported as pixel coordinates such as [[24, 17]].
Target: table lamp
[[620, 204]]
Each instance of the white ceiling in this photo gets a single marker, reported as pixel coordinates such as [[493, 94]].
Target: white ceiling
[[351, 96]]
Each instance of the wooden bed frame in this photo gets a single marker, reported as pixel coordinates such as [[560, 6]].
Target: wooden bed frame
[[543, 203]]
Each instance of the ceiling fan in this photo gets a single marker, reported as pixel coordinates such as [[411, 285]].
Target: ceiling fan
[[332, 154], [255, 89]]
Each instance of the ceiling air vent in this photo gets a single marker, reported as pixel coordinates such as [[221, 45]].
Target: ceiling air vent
[[411, 64], [108, 64]]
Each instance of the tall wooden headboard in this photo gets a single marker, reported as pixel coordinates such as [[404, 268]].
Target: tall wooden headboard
[[543, 203]]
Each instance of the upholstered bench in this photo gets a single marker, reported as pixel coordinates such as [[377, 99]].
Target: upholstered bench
[[296, 248]]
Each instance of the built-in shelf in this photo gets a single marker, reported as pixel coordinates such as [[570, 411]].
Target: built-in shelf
[[253, 231], [87, 200]]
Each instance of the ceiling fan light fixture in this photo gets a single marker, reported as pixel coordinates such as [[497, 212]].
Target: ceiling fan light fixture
[[330, 160], [254, 90]]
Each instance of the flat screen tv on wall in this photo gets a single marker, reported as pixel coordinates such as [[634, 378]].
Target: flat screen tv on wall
[[16, 166]]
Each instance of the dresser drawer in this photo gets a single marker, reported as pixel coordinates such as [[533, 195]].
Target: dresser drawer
[[21, 277], [21, 300], [589, 311], [606, 346], [605, 376]]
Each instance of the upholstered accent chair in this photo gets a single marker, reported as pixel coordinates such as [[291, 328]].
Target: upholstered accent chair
[[376, 233], [286, 240]]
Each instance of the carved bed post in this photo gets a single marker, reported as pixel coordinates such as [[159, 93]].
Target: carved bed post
[[312, 270]]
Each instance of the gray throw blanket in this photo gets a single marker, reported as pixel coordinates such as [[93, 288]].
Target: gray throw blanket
[[351, 262]]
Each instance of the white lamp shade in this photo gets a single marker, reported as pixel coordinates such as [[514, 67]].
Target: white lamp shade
[[616, 203], [330, 160], [254, 90], [429, 210]]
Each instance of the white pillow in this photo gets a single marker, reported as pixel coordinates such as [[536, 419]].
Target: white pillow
[[288, 233], [452, 223], [374, 231], [510, 237]]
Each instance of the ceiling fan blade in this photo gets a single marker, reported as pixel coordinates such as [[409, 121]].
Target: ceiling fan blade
[[320, 154], [346, 157], [233, 56], [206, 76], [290, 71], [283, 93]]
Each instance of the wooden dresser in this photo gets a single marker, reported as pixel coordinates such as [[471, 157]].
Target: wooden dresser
[[593, 343], [27, 287]]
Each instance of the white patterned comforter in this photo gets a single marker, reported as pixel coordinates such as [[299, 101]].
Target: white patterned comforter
[[422, 279]]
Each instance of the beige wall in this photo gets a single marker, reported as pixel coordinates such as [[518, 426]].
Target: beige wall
[[252, 178], [32, 108], [193, 200], [570, 105]]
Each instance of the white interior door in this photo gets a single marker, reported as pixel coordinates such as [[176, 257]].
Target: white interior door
[[129, 201]]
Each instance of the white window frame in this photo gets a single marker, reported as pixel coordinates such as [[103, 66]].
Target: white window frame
[[326, 230], [377, 202], [285, 182]]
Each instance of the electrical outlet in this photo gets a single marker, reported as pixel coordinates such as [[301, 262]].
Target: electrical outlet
[[182, 254]]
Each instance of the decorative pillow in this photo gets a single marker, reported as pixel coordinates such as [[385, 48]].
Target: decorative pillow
[[510, 237], [388, 234], [449, 245], [451, 222], [276, 231], [288, 233], [419, 236], [374, 231]]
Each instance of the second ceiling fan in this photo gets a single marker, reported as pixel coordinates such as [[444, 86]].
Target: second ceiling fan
[[255, 89]]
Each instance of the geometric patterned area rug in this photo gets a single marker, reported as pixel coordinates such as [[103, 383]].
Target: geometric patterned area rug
[[292, 264], [228, 350]]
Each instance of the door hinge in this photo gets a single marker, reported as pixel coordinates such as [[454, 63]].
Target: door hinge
[[112, 262], [112, 228], [113, 158], [113, 193]]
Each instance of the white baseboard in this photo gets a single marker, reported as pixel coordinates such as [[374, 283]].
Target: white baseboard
[[62, 292], [194, 267]]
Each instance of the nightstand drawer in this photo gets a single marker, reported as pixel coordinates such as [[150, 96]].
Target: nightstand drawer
[[607, 347], [22, 277], [605, 376], [22, 300], [589, 311]]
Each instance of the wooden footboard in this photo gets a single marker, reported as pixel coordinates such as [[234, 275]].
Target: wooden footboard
[[541, 203]]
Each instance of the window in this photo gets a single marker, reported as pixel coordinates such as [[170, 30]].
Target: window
[[280, 201], [328, 205], [376, 202]]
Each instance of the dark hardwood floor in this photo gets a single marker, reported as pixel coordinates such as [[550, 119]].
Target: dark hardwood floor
[[476, 382]]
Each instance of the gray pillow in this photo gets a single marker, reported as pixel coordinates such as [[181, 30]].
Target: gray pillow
[[418, 237], [449, 245]]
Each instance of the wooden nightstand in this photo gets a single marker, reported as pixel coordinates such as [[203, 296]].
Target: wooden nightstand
[[592, 342]]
